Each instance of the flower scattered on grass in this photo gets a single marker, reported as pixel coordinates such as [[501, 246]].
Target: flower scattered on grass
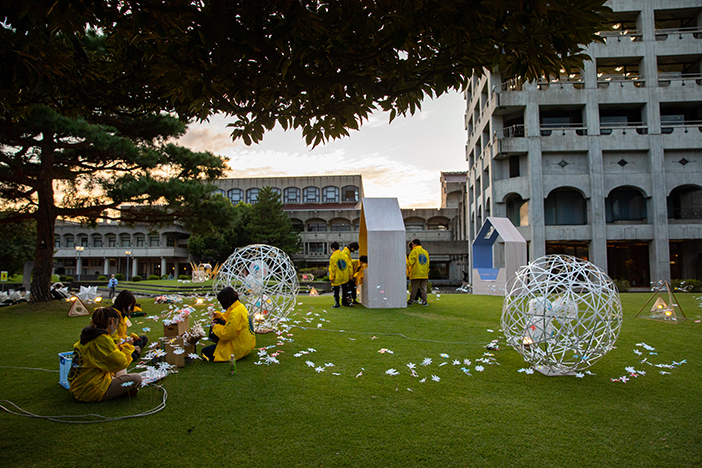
[[479, 368], [320, 369], [309, 363], [435, 378], [426, 361], [392, 372]]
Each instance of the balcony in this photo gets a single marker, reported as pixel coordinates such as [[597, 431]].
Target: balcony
[[624, 80], [628, 128], [563, 129], [626, 36], [678, 79], [689, 126], [678, 33]]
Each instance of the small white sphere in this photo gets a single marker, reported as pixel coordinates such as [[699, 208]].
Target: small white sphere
[[562, 314], [266, 280]]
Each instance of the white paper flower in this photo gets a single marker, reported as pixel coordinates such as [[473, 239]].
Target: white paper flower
[[579, 375], [630, 370], [443, 364], [467, 362], [411, 366], [426, 361], [391, 372], [456, 362], [309, 363], [435, 378], [329, 364], [423, 380], [311, 350], [479, 368], [319, 369], [529, 371], [193, 356]]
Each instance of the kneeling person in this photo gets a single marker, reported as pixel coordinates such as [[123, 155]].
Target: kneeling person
[[235, 336]]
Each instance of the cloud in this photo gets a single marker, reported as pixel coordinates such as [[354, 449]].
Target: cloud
[[206, 139]]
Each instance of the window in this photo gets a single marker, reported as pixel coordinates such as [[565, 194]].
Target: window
[[310, 195], [518, 211], [220, 192], [316, 225], [97, 241], [57, 242], [624, 204], [340, 225], [513, 166], [330, 194], [140, 241], [349, 193], [316, 248], [84, 241], [291, 195], [153, 241], [170, 242], [70, 241], [276, 190], [112, 241], [125, 240], [565, 207], [252, 195], [235, 195]]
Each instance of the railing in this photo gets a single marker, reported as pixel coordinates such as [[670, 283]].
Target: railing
[[514, 84], [688, 213], [513, 131], [604, 80], [669, 127], [632, 34], [577, 83], [665, 78], [662, 34], [610, 129], [577, 128]]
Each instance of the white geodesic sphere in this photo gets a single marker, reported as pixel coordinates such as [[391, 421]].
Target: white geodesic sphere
[[562, 314], [266, 280]]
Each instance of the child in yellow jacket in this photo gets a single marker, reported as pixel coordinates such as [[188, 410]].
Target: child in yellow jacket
[[96, 360], [234, 331]]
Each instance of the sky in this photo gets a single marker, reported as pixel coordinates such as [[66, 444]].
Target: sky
[[403, 159]]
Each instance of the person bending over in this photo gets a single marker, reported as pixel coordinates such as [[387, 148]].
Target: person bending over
[[98, 370], [124, 304], [233, 330]]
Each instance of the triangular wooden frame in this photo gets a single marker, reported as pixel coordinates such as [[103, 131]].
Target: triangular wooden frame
[[676, 313], [78, 309]]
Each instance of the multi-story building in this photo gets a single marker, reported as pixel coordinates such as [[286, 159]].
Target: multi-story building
[[604, 162], [323, 209]]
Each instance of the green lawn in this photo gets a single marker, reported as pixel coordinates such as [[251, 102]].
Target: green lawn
[[288, 415]]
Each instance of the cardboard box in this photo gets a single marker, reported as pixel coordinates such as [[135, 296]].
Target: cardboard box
[[172, 344], [177, 329]]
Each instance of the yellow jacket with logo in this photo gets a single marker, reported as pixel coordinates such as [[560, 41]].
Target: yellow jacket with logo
[[358, 267], [418, 263], [96, 358], [236, 337], [339, 268]]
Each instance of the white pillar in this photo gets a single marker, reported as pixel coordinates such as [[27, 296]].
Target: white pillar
[[134, 266], [106, 265], [176, 266], [163, 266]]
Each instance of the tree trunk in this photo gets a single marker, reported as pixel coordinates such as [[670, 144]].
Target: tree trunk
[[46, 220]]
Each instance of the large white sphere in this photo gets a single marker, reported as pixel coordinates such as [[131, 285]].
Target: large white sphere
[[561, 314], [266, 280]]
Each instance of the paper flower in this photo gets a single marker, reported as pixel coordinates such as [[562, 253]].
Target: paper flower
[[663, 372], [311, 350], [636, 351], [426, 361], [444, 355], [491, 331], [320, 369], [479, 368], [384, 350], [423, 380], [579, 375], [392, 372], [359, 374], [178, 351], [335, 373], [127, 384], [153, 345], [329, 364], [146, 329], [309, 363], [193, 356], [630, 370], [435, 378], [411, 366], [467, 371], [529, 371], [467, 362], [456, 362], [443, 364]]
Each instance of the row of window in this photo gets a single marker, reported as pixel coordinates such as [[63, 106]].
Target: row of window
[[110, 240], [569, 207], [310, 194]]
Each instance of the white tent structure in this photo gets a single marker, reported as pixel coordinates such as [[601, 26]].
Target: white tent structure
[[382, 239], [487, 279]]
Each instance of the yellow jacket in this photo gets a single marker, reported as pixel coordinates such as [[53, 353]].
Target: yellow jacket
[[121, 332], [236, 337], [358, 267], [95, 360], [418, 263], [339, 268]]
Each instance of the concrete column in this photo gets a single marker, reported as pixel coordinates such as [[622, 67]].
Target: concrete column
[[596, 217], [105, 266], [659, 249], [163, 266], [176, 272], [135, 265], [537, 246], [79, 265]]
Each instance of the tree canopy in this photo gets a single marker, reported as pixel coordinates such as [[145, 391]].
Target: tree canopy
[[270, 225], [322, 66]]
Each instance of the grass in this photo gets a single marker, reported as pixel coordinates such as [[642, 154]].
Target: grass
[[289, 415]]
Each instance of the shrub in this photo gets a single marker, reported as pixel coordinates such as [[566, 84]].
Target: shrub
[[102, 278], [154, 277], [119, 277], [183, 277], [687, 285], [622, 285], [326, 278], [65, 279], [317, 272], [136, 278], [164, 277]]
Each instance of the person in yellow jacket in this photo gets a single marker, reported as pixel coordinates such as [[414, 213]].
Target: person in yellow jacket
[[358, 267], [418, 272], [351, 286], [125, 303], [96, 360], [234, 331], [339, 274]]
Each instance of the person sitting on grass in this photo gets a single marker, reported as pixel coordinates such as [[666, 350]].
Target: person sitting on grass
[[98, 370], [124, 304], [233, 330]]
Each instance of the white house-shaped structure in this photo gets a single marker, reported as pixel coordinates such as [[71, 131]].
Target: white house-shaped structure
[[492, 268], [382, 239]]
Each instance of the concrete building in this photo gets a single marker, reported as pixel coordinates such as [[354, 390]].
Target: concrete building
[[605, 162], [323, 209]]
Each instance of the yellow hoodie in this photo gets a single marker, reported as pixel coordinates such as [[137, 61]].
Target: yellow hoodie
[[339, 268], [95, 360], [236, 337], [418, 263]]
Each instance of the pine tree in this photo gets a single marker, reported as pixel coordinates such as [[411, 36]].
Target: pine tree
[[270, 225]]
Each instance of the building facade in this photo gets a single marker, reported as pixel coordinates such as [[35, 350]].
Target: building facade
[[323, 209], [604, 162]]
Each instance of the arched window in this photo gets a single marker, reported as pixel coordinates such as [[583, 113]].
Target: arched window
[[297, 225], [310, 195], [140, 240], [70, 241], [438, 223], [277, 191], [252, 195], [111, 240], [235, 195], [685, 203], [330, 194], [291, 195], [316, 225], [125, 240], [97, 240], [57, 241], [414, 224], [219, 191], [340, 225], [349, 193], [518, 210], [83, 240], [625, 204], [565, 207]]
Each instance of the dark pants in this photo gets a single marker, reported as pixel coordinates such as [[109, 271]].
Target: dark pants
[[345, 294], [142, 342], [208, 352]]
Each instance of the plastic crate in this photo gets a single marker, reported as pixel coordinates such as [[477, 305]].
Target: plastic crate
[[65, 361]]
